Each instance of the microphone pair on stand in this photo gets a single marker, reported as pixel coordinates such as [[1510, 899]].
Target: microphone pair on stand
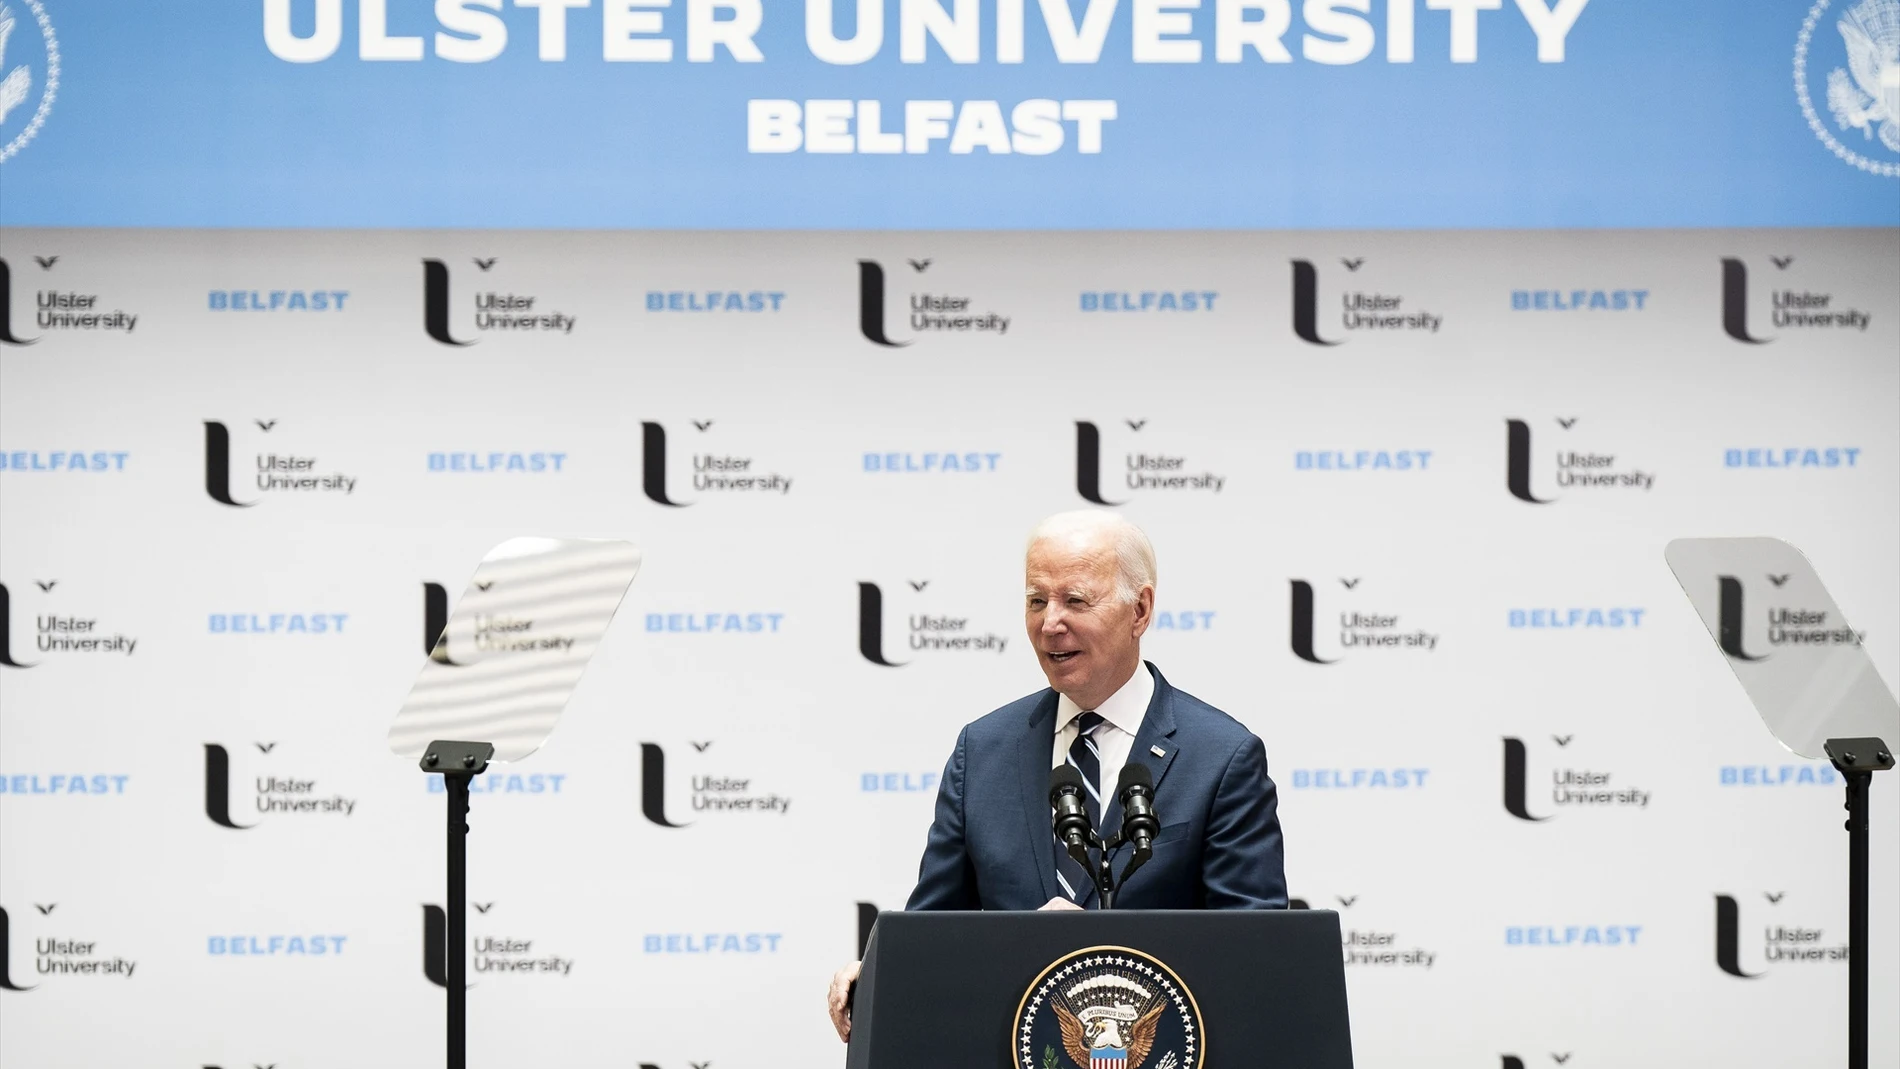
[[1136, 790]]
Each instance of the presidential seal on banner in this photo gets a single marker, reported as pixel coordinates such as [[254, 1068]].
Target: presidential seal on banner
[[1855, 71], [1109, 1007]]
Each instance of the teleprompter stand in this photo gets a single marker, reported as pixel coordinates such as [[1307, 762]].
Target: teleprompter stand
[[1857, 760], [481, 680], [457, 763], [1818, 698]]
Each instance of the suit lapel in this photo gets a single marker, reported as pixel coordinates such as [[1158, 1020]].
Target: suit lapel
[[1035, 754], [1157, 730]]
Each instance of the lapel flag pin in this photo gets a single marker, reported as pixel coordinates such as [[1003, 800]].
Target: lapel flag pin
[[1157, 751]]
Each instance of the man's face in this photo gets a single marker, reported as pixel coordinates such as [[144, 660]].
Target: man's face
[[1088, 640]]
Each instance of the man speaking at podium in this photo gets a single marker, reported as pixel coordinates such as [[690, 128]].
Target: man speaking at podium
[[1089, 597]]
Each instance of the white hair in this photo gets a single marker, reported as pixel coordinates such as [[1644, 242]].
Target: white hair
[[1134, 554]]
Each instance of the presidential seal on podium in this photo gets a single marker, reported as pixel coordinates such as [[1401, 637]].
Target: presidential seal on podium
[[1108, 1007]]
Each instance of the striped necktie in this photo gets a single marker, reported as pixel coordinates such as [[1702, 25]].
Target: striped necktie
[[1076, 881]]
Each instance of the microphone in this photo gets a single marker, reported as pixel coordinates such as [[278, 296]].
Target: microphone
[[1071, 811], [1136, 788]]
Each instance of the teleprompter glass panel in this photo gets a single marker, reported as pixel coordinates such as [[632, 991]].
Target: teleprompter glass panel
[[1800, 661], [516, 645]]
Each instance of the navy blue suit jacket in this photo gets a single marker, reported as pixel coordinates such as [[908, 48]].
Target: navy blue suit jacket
[[991, 847]]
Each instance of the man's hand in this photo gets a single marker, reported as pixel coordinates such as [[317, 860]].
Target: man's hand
[[835, 999], [841, 981]]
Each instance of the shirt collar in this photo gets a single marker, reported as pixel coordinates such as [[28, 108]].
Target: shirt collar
[[1126, 708]]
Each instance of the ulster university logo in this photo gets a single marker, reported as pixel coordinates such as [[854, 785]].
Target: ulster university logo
[[275, 794], [64, 954], [713, 794], [927, 632], [489, 633], [1571, 786], [493, 309], [713, 471], [57, 309], [1793, 307], [1782, 943], [1142, 470], [928, 312], [1108, 1007], [1359, 309], [274, 472], [1584, 469], [1783, 625], [58, 633], [505, 955], [1370, 946], [1359, 629]]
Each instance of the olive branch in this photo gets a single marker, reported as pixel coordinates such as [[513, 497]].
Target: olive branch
[[1048, 1057]]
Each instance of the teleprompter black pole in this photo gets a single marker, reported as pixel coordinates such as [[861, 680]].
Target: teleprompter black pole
[[1857, 785], [456, 968], [458, 763], [1857, 760]]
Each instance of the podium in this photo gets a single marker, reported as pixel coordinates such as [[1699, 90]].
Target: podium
[[1155, 989]]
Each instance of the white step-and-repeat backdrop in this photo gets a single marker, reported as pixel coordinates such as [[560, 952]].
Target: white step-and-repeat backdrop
[[1411, 332], [247, 472]]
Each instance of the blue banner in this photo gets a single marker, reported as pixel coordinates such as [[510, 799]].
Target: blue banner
[[950, 113]]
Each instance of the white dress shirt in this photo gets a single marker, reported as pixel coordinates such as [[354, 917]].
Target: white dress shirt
[[1122, 714]]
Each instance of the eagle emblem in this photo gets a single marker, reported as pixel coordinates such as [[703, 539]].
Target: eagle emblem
[[1108, 1008], [1114, 1036], [1866, 95]]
